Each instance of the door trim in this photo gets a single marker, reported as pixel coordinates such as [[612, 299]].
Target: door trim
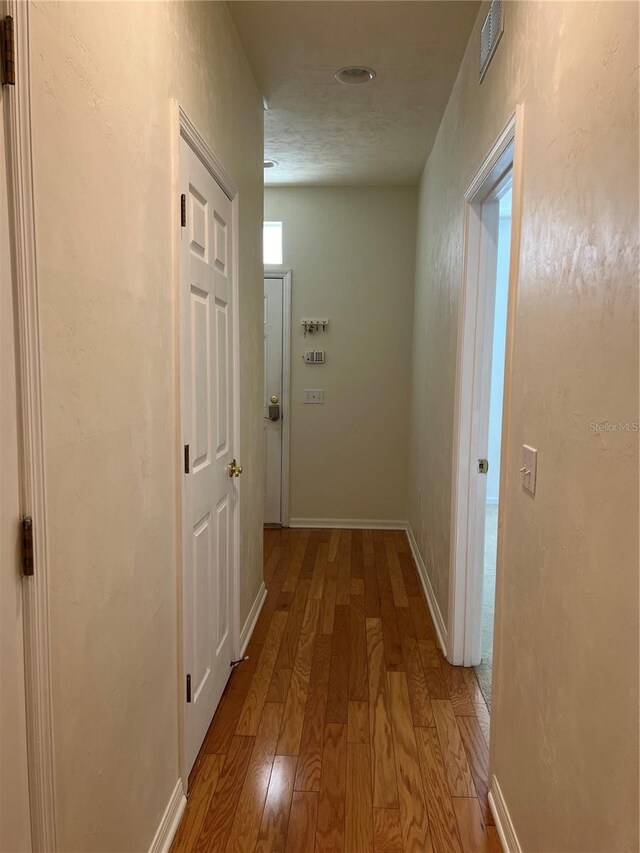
[[465, 556], [190, 133], [284, 274], [187, 130], [35, 589]]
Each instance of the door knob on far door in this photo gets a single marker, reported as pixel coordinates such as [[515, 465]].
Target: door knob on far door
[[274, 408], [234, 469]]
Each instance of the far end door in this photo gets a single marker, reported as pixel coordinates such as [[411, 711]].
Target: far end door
[[273, 388], [208, 386]]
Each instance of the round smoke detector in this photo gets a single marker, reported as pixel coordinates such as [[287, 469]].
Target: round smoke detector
[[354, 75]]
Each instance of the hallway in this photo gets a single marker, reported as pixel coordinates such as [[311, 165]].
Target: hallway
[[346, 730], [160, 403]]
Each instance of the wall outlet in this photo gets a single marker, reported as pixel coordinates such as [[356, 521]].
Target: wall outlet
[[313, 395]]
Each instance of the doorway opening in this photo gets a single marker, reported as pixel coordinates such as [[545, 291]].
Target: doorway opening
[[481, 396], [15, 826], [494, 442], [28, 818], [276, 407]]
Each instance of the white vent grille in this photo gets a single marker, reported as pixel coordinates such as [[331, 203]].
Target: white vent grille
[[490, 35]]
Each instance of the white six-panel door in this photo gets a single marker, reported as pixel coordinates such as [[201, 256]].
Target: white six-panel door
[[273, 381], [209, 494]]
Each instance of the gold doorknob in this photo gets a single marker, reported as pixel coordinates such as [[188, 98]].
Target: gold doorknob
[[234, 469], [275, 399]]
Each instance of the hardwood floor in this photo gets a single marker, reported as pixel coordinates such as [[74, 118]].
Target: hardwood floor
[[346, 730]]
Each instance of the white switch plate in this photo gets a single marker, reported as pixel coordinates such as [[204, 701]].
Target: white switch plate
[[313, 395], [529, 468]]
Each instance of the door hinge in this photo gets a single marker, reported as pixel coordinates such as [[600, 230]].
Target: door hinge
[[27, 546], [189, 689], [483, 466], [7, 52], [186, 459], [183, 210]]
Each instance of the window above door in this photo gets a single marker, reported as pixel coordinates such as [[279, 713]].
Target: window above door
[[272, 243]]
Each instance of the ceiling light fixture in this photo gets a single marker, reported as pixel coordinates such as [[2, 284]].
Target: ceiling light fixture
[[270, 164], [355, 74]]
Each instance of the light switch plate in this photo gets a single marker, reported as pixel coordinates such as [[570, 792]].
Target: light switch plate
[[529, 468], [313, 395]]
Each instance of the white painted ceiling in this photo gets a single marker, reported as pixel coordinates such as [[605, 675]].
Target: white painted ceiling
[[324, 132]]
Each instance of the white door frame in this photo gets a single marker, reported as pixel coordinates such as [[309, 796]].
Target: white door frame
[[284, 274], [472, 381], [17, 128], [188, 131]]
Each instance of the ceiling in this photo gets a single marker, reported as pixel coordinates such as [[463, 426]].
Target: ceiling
[[321, 131]]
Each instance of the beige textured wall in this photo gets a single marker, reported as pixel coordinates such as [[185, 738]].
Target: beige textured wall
[[105, 145], [352, 255], [564, 722]]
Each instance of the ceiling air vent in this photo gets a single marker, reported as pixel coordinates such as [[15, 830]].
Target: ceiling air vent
[[490, 35]]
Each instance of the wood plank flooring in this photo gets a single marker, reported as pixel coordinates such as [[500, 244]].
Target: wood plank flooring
[[346, 730]]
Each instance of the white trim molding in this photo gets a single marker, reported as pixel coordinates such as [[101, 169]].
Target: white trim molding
[[31, 434], [504, 824], [348, 523], [190, 132], [170, 820], [434, 607], [252, 618]]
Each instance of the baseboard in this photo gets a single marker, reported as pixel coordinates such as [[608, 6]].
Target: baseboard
[[170, 820], [436, 615], [252, 618], [502, 818], [348, 523]]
